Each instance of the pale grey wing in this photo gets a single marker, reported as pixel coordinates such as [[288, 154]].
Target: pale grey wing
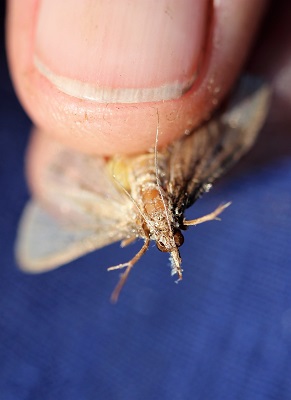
[[44, 244], [79, 188], [197, 160]]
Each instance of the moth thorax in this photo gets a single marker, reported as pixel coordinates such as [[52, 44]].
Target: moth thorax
[[152, 201], [118, 167]]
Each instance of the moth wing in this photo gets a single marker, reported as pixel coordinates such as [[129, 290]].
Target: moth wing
[[80, 188], [43, 243], [199, 159]]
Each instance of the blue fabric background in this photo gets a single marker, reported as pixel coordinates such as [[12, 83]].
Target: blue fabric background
[[222, 333]]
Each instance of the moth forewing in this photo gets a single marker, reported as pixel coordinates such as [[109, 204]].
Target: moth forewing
[[44, 243], [200, 158], [137, 197]]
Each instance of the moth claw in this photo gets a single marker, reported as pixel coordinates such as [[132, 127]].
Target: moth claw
[[128, 241], [119, 266], [180, 277]]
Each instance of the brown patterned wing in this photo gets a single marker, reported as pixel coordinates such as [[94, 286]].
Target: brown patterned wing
[[197, 160]]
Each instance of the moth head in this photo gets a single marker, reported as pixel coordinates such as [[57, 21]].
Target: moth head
[[166, 245]]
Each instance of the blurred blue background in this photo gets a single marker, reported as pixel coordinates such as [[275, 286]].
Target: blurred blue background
[[224, 332]]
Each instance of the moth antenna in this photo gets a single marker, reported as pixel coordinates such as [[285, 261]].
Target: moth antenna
[[132, 199], [157, 170]]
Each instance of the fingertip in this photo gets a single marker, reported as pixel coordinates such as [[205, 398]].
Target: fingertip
[[126, 122]]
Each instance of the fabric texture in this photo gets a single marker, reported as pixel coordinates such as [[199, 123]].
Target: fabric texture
[[224, 332]]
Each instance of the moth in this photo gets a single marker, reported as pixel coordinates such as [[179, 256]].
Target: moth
[[92, 201]]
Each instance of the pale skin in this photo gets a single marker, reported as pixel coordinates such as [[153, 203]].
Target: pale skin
[[65, 41]]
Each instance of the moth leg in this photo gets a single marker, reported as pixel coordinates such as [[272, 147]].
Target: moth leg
[[208, 217], [128, 241], [128, 265]]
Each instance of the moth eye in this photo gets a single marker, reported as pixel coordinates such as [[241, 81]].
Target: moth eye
[[161, 246], [179, 238]]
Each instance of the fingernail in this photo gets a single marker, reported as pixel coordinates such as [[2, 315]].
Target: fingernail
[[120, 51]]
